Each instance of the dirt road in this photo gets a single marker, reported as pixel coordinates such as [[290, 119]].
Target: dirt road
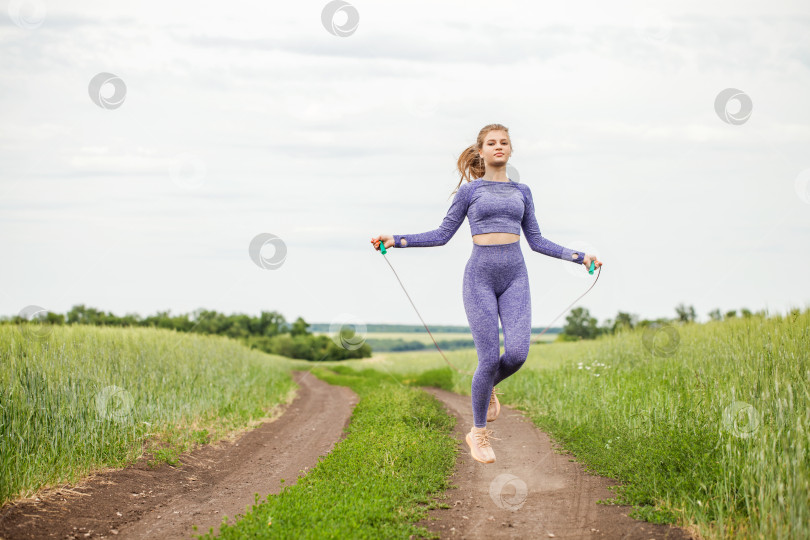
[[215, 480], [530, 491]]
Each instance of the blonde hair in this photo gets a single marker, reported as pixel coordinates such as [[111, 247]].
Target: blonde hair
[[470, 163]]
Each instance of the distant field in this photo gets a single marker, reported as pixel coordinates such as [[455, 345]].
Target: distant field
[[399, 364], [424, 337]]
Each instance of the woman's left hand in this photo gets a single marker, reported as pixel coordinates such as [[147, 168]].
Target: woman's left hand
[[588, 259]]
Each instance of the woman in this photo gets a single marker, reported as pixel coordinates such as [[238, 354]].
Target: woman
[[495, 278]]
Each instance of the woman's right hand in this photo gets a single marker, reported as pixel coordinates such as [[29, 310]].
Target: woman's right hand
[[587, 262], [386, 239]]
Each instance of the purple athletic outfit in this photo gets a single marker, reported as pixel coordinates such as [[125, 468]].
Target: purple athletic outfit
[[495, 279]]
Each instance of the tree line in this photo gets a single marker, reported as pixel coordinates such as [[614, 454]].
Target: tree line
[[581, 325], [269, 332]]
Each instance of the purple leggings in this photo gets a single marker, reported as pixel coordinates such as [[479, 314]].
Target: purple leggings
[[496, 282]]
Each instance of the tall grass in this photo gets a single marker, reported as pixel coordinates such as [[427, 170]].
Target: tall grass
[[74, 398], [714, 434], [711, 432]]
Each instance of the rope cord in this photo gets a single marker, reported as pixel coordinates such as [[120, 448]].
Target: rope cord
[[434, 340]]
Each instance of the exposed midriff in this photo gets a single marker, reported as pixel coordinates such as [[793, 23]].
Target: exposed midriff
[[487, 239]]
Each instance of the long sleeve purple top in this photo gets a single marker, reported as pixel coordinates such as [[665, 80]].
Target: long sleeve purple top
[[492, 206]]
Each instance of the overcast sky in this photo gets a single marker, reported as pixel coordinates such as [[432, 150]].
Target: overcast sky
[[231, 120]]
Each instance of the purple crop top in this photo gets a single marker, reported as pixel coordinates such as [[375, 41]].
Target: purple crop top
[[492, 206]]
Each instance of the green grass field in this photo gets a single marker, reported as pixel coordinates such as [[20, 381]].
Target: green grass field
[[84, 397], [716, 433], [713, 431], [710, 432]]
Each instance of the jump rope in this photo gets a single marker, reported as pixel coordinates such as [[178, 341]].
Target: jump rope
[[384, 252]]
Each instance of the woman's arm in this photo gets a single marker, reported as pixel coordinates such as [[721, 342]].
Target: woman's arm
[[452, 221], [536, 240]]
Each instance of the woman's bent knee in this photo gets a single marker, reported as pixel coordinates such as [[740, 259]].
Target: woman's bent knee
[[515, 359]]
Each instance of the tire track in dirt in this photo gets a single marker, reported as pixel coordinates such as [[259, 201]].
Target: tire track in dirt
[[530, 491], [211, 481]]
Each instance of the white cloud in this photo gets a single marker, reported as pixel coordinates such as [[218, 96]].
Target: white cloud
[[327, 141]]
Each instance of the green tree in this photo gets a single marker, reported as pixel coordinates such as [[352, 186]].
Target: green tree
[[715, 315], [299, 327], [580, 324], [80, 314], [54, 318], [685, 313], [624, 320], [269, 323]]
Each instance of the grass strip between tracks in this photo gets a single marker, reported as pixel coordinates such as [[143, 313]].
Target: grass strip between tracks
[[377, 482]]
